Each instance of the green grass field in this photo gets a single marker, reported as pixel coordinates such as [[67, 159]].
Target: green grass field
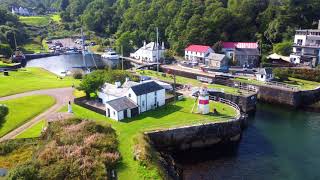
[[169, 116], [22, 110], [39, 21], [34, 131], [183, 80], [294, 82], [30, 79]]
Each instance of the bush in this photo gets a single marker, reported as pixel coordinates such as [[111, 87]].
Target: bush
[[4, 111], [77, 75], [281, 73], [5, 50], [26, 171], [283, 48]]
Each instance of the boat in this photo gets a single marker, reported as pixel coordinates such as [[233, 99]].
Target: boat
[[110, 55], [72, 51]]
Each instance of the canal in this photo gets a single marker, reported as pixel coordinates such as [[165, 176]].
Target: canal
[[279, 143], [63, 63]]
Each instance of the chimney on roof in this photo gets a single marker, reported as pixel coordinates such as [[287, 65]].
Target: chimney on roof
[[319, 24], [118, 84], [127, 79], [144, 44]]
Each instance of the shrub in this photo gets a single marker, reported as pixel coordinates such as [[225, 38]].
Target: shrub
[[77, 75], [27, 171], [281, 73], [4, 111]]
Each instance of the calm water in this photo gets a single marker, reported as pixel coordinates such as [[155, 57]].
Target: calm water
[[279, 144], [58, 64]]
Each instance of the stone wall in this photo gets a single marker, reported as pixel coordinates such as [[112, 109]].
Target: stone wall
[[197, 136]]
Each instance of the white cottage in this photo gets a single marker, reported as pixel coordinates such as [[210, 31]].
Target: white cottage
[[149, 52], [197, 53], [264, 74], [131, 98]]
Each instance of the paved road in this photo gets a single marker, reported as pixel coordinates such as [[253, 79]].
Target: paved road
[[62, 96]]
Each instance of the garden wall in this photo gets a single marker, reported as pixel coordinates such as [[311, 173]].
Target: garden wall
[[80, 102]]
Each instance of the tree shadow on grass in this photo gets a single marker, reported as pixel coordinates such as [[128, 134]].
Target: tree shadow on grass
[[2, 121]]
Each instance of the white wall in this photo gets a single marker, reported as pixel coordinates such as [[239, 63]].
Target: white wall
[[105, 97], [192, 56], [113, 113]]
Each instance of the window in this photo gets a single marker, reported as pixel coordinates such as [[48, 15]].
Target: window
[[114, 113], [129, 95], [142, 103]]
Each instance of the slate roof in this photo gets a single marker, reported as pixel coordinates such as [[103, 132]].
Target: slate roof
[[247, 52], [265, 71], [216, 57], [121, 104], [197, 48], [146, 87]]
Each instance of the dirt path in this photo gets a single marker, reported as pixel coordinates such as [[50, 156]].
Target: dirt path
[[62, 96]]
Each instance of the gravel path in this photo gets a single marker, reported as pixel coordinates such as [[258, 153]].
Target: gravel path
[[62, 96]]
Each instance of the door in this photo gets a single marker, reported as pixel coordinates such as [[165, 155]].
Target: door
[[108, 114], [125, 114]]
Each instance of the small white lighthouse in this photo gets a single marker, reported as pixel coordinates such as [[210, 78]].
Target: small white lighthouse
[[203, 102]]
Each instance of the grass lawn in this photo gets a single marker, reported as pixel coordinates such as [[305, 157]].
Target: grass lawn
[[2, 64], [183, 80], [30, 79], [56, 18], [34, 131], [22, 110], [38, 21], [172, 115], [294, 82]]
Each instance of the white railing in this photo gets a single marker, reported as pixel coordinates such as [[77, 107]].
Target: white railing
[[228, 102]]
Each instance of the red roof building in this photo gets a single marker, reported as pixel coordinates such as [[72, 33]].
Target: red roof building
[[197, 52], [198, 48], [240, 45]]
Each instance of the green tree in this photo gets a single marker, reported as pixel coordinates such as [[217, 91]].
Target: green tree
[[5, 50], [283, 48], [92, 82], [281, 73]]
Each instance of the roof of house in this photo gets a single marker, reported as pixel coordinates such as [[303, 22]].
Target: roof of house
[[121, 104], [216, 57], [247, 52], [264, 71], [113, 90], [276, 56], [129, 84], [233, 45], [197, 48], [146, 87]]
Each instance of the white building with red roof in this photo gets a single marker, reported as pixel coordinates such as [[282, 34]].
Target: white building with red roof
[[229, 47], [197, 53]]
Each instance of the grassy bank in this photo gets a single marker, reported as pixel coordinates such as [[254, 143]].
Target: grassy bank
[[34, 131], [294, 82], [38, 21], [186, 81], [22, 110], [169, 116], [30, 79]]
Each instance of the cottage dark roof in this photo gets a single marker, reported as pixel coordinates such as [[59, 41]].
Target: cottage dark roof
[[145, 88], [216, 57], [265, 71], [121, 104], [247, 52]]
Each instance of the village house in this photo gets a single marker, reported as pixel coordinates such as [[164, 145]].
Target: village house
[[264, 74], [217, 61], [245, 57], [306, 47], [150, 53], [279, 60], [197, 53], [228, 48], [131, 98], [22, 11]]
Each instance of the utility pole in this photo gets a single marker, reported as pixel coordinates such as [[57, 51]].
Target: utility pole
[[157, 49], [174, 88], [122, 57]]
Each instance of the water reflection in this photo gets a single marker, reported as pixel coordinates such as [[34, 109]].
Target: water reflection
[[63, 63]]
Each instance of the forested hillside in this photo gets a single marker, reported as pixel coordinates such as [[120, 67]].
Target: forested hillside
[[193, 21]]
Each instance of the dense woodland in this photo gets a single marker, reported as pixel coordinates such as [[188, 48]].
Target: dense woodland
[[182, 22]]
